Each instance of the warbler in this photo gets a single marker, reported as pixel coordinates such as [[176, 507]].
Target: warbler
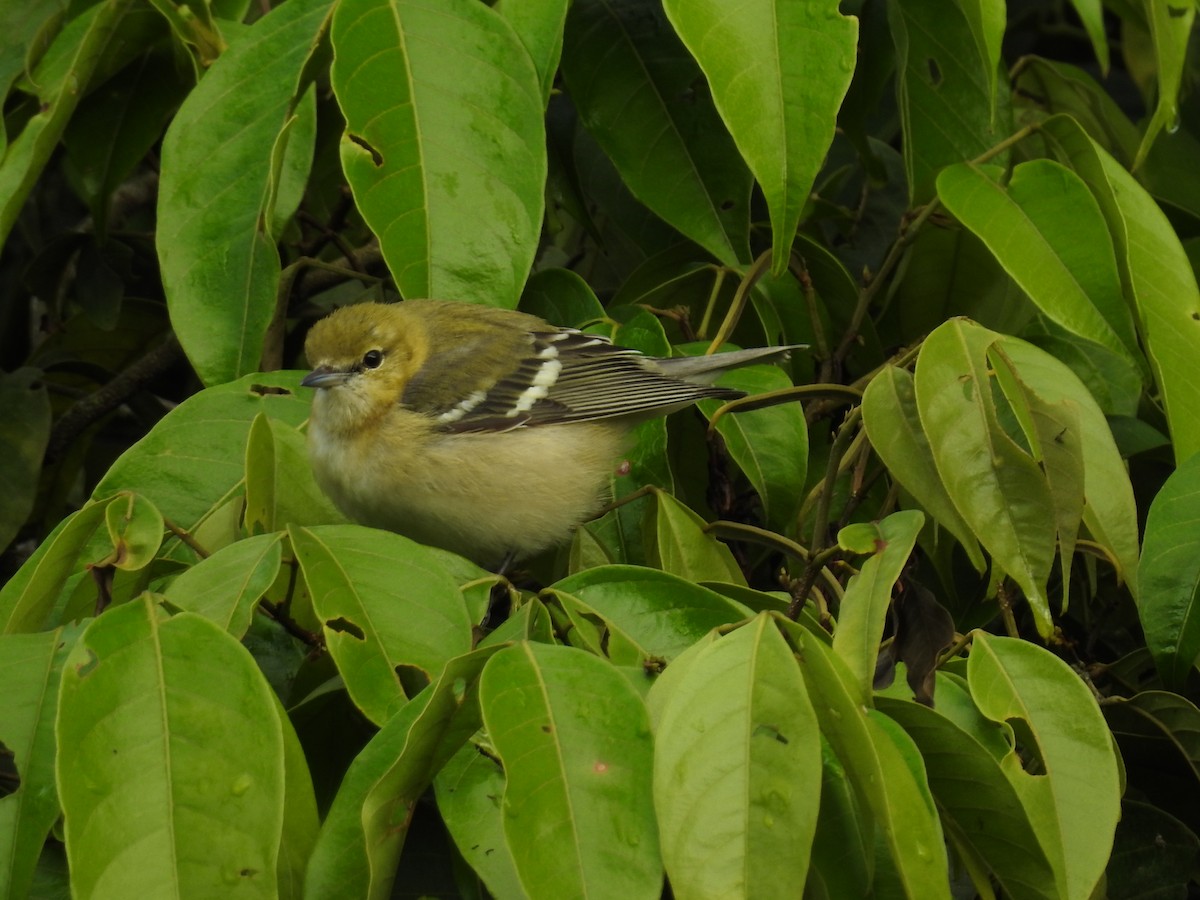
[[487, 432]]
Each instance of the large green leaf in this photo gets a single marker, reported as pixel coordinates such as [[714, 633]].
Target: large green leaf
[[30, 669], [377, 623], [889, 408], [778, 72], [737, 769], [883, 767], [1155, 273], [676, 542], [656, 613], [980, 808], [444, 145], [574, 738], [997, 487], [945, 91], [361, 838], [769, 445], [192, 462], [216, 191], [1068, 781], [1046, 229], [1169, 575], [868, 596], [226, 586], [80, 50], [633, 84], [170, 760]]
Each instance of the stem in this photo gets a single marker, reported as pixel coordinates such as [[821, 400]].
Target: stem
[[741, 295], [710, 307], [186, 537]]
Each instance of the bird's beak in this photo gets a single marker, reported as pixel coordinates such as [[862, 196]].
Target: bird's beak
[[324, 377]]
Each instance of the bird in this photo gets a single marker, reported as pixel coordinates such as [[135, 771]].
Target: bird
[[484, 431]]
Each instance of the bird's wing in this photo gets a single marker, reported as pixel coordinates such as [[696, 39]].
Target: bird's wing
[[569, 376]]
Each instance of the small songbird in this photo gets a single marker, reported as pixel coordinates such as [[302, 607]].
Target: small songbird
[[483, 431]]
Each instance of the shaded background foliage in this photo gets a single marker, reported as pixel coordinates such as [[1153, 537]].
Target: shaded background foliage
[[980, 477]]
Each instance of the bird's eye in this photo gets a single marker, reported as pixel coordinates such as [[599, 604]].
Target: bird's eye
[[372, 359]]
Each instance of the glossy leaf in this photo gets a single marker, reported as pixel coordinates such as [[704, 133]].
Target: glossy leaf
[[629, 77], [769, 445], [577, 773], [1161, 717], [193, 460], [454, 190], [375, 623], [868, 594], [226, 586], [539, 25], [1169, 575], [883, 768], [1047, 231], [660, 614], [561, 297], [361, 838], [280, 490], [1073, 792], [1170, 28], [1155, 273], [166, 726], [216, 191], [30, 669], [778, 72], [980, 808], [135, 528], [893, 424], [944, 88], [997, 487], [677, 543], [469, 791], [737, 769]]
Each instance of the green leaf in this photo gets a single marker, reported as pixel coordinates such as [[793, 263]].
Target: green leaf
[[561, 297], [280, 489], [30, 669], [769, 445], [1160, 717], [882, 766], [539, 25], [578, 773], [27, 598], [226, 586], [778, 72], [1048, 233], [1110, 512], [374, 621], [1155, 273], [948, 111], [630, 78], [82, 49], [998, 488], [660, 614], [1169, 575], [868, 595], [1170, 28], [216, 192], [24, 433], [1154, 854], [361, 839], [1063, 88], [165, 726], [469, 791], [454, 190], [737, 769], [676, 542], [192, 462], [979, 807], [893, 424], [135, 528], [1091, 14], [1070, 784]]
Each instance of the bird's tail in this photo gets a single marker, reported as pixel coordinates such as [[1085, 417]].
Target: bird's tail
[[705, 369]]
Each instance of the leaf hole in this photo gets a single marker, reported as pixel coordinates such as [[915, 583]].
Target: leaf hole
[[1025, 745], [935, 72], [770, 731], [413, 679], [343, 625], [84, 669], [376, 156], [266, 390]]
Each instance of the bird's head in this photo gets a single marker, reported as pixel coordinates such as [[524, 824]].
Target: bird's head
[[362, 357]]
